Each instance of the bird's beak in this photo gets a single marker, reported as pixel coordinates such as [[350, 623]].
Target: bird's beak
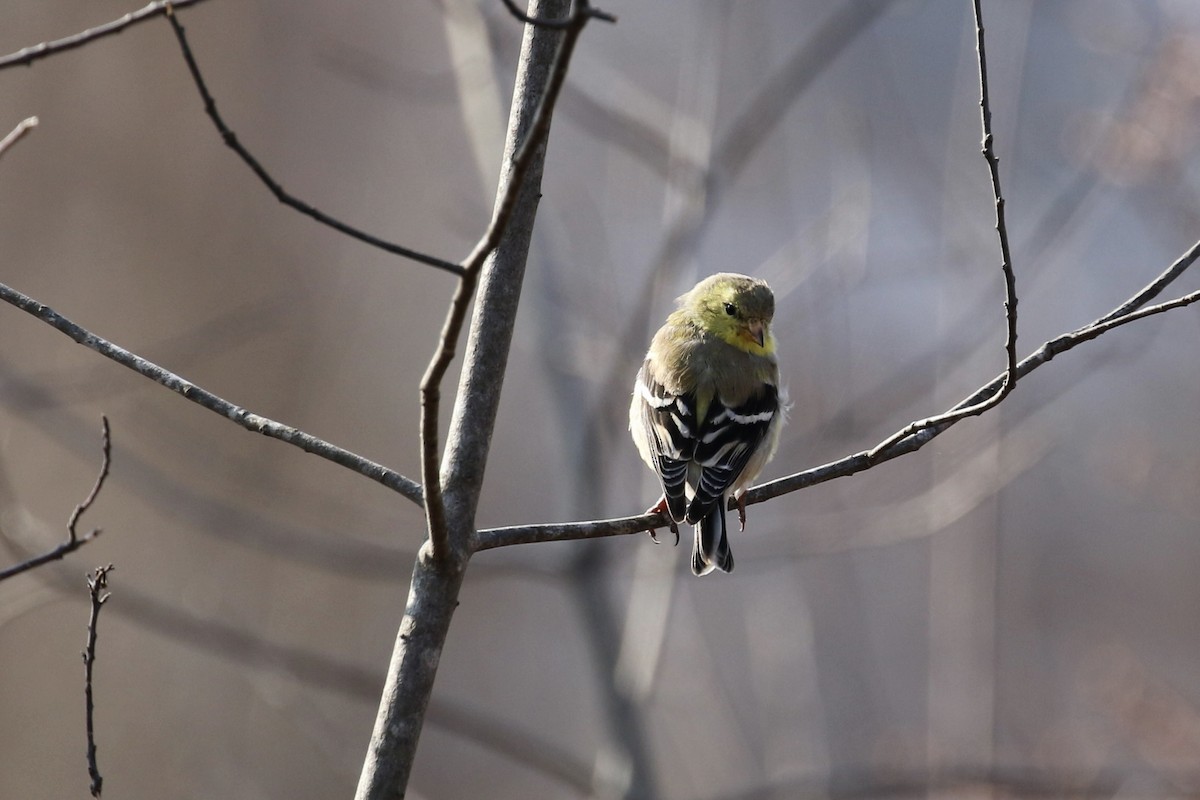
[[758, 329]]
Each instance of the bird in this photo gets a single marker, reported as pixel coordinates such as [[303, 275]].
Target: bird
[[707, 408]]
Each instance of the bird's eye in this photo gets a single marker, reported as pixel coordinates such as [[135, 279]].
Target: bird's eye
[[730, 309]]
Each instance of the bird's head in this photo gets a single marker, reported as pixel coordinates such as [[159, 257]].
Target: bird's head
[[736, 308]]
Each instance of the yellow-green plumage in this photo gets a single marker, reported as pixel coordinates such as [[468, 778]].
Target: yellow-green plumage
[[708, 397]]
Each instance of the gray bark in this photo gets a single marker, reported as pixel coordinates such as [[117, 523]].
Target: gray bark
[[433, 595]]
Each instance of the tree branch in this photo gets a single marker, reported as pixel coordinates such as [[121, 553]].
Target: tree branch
[[202, 397], [929, 429], [916, 435], [105, 464], [989, 155], [16, 133], [97, 583], [489, 538], [1010, 281], [28, 55], [282, 195], [74, 540], [452, 495], [522, 158], [1152, 289]]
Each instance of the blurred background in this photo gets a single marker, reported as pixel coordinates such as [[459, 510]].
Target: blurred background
[[1013, 610]]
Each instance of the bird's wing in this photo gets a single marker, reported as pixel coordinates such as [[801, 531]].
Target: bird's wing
[[669, 421], [725, 443]]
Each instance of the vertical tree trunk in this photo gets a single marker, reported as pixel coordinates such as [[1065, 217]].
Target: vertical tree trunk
[[433, 595], [431, 601]]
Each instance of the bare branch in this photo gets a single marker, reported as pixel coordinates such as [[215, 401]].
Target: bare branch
[[74, 540], [220, 639], [1010, 281], [1090, 332], [16, 133], [281, 194], [202, 397], [567, 531], [918, 433], [989, 154], [97, 583], [928, 429], [522, 158], [106, 447], [28, 55], [1152, 289], [440, 567]]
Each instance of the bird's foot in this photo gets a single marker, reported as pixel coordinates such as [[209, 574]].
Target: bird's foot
[[661, 508], [741, 505]]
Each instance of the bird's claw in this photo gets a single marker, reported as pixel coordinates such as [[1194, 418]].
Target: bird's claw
[[741, 506], [661, 508], [674, 529]]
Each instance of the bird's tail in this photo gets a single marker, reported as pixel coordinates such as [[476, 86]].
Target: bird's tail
[[711, 548]]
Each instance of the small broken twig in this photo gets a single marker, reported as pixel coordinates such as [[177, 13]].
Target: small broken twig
[[16, 133], [97, 583], [74, 540]]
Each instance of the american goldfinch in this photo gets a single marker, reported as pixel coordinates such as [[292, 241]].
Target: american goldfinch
[[707, 407]]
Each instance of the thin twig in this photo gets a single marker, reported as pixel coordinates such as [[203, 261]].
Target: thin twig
[[281, 194], [16, 133], [900, 445], [567, 531], [28, 55], [106, 447], [202, 397], [471, 266], [97, 583], [555, 24], [74, 540], [1006, 265], [1152, 289], [938, 425], [1010, 281]]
